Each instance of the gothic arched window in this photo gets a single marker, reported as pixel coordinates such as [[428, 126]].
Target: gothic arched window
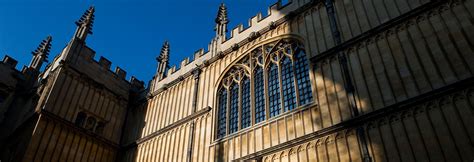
[[271, 80]]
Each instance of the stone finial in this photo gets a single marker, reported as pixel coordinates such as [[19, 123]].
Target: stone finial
[[84, 24], [221, 21], [222, 15], [41, 53], [163, 60], [165, 52], [44, 47]]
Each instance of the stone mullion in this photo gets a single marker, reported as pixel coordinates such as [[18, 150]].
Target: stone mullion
[[252, 92], [227, 113], [348, 85], [239, 105], [282, 99], [196, 76], [265, 86], [295, 79]]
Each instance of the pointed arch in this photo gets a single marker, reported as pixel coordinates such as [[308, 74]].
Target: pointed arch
[[261, 84]]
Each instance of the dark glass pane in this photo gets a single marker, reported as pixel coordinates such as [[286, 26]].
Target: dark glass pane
[[234, 109], [245, 103], [302, 77], [259, 96], [221, 118], [287, 80], [80, 119], [273, 90]]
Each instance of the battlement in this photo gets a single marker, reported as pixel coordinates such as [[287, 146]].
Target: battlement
[[11, 62], [101, 69], [238, 34]]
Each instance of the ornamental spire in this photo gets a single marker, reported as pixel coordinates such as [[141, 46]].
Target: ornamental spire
[[41, 53], [165, 52], [221, 21], [163, 60], [84, 24]]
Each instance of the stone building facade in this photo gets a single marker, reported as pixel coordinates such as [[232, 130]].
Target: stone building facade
[[332, 80]]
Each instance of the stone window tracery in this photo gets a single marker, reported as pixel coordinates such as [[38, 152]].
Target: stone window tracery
[[272, 79]]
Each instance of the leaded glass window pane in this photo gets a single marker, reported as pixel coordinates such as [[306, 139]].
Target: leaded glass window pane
[[302, 77], [245, 103], [287, 80], [221, 127], [273, 90], [259, 95], [234, 109]]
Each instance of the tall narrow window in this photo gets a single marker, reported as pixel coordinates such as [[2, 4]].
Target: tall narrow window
[[302, 77], [287, 80], [273, 90], [259, 96], [234, 109], [221, 127], [245, 122]]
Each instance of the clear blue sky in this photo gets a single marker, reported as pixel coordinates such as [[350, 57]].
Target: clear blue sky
[[129, 33]]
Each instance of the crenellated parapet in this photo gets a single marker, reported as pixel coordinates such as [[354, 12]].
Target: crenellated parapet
[[240, 35]]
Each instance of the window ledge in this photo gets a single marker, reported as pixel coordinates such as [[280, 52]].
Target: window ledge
[[262, 123]]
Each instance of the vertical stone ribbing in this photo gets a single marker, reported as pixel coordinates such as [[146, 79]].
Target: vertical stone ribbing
[[348, 85], [196, 74]]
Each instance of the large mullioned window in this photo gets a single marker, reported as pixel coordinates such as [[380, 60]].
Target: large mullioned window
[[272, 79]]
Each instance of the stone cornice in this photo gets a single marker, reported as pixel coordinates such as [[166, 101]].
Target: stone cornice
[[169, 127]]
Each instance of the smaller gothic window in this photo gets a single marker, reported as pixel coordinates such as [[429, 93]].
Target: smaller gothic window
[[80, 119], [90, 123]]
